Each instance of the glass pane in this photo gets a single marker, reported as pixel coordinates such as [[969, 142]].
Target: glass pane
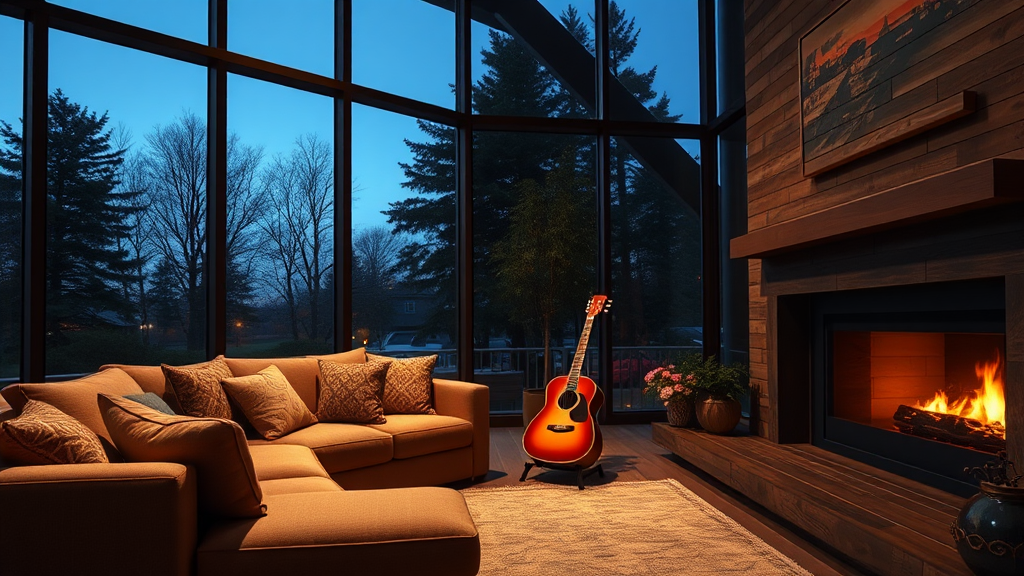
[[655, 55], [403, 237], [535, 257], [188, 19], [126, 208], [11, 111], [656, 262], [406, 47], [296, 34], [548, 73], [280, 276]]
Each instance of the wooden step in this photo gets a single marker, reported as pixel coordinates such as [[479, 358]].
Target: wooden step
[[886, 523]]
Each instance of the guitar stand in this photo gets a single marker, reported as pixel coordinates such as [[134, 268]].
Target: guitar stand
[[580, 471]]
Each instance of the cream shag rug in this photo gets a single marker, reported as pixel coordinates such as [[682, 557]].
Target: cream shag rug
[[654, 527]]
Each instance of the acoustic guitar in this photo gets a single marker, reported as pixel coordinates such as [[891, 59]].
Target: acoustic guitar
[[565, 431]]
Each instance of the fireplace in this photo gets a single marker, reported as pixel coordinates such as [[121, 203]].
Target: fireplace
[[910, 378]]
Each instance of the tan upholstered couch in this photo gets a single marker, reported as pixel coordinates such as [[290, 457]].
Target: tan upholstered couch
[[346, 498]]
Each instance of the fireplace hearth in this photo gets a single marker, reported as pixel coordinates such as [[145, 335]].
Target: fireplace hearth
[[910, 378]]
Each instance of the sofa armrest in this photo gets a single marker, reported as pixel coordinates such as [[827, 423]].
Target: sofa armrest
[[470, 402], [137, 518]]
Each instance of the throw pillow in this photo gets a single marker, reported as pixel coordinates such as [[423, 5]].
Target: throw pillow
[[152, 400], [351, 392], [409, 384], [357, 356], [77, 398], [227, 484], [197, 388], [44, 435], [269, 402]]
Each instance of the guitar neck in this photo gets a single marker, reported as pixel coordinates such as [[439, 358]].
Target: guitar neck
[[581, 351]]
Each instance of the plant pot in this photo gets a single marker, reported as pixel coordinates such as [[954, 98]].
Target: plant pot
[[533, 402], [989, 531], [680, 411], [718, 415]]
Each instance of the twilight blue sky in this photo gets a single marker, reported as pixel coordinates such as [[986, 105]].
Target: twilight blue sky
[[402, 46]]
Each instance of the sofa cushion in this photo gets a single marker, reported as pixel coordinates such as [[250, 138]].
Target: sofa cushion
[[302, 373], [269, 402], [77, 398], [45, 435], [277, 461], [197, 388], [351, 392], [340, 446], [357, 356], [408, 385], [298, 485], [150, 379], [419, 434], [152, 400], [227, 483], [424, 531]]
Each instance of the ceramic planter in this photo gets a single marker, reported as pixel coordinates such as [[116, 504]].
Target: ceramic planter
[[718, 415]]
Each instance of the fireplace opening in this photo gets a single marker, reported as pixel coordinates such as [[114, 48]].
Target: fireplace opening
[[911, 379]]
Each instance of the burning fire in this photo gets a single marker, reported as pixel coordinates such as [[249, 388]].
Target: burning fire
[[985, 404]]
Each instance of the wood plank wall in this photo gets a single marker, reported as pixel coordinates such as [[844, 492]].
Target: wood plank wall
[[984, 53]]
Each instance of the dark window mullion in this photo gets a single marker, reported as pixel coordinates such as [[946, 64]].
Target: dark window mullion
[[33, 265], [604, 198], [343, 178], [215, 268], [464, 191]]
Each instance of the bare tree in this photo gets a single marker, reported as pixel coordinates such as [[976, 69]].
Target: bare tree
[[376, 251], [299, 228]]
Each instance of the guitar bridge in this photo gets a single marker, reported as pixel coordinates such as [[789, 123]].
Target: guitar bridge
[[561, 427]]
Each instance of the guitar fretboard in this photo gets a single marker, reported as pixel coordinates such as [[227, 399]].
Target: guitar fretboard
[[581, 351]]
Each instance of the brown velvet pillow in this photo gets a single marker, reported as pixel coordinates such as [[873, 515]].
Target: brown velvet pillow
[[197, 388], [227, 484], [351, 392], [269, 402], [77, 398], [44, 435], [408, 387]]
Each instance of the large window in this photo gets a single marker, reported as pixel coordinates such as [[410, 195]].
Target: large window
[[126, 207], [11, 110], [373, 192], [404, 296]]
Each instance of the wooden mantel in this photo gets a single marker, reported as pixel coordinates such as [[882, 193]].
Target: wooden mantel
[[979, 185]]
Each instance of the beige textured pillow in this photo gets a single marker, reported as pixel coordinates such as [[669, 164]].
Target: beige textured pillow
[[197, 388], [44, 435], [269, 402], [409, 384], [227, 484], [351, 392]]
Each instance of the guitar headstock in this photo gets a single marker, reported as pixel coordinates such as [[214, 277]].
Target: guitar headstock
[[598, 304]]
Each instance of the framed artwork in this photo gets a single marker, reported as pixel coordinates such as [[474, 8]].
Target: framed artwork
[[865, 82]]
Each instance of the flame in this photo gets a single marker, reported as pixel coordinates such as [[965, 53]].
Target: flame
[[985, 404]]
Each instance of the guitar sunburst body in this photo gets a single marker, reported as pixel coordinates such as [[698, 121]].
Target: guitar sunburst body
[[565, 431]]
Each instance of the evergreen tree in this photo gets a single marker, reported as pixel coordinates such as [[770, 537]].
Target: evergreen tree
[[10, 253], [86, 264]]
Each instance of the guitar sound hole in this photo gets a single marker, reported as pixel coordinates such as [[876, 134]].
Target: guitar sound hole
[[567, 400]]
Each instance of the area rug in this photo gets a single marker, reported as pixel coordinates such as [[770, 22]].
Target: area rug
[[624, 528]]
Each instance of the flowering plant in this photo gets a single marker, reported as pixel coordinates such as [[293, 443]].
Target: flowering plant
[[669, 384]]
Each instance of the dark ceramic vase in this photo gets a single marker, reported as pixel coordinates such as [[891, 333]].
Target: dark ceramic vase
[[989, 531]]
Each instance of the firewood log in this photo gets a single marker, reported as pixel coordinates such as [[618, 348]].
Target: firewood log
[[950, 428]]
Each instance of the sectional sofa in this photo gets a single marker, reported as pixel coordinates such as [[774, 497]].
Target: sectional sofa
[[348, 498]]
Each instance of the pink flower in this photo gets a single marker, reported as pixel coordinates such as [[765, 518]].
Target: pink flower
[[677, 377], [671, 366], [665, 393], [690, 378], [649, 377], [679, 388], [666, 374], [666, 402]]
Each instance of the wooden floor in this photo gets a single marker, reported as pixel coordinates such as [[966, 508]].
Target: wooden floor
[[630, 456]]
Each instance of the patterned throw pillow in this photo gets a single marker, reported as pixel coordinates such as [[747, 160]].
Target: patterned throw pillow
[[408, 387], [197, 388], [226, 479], [351, 392], [44, 435], [269, 402]]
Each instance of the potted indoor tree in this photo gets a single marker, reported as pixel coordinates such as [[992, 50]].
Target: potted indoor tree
[[719, 388]]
